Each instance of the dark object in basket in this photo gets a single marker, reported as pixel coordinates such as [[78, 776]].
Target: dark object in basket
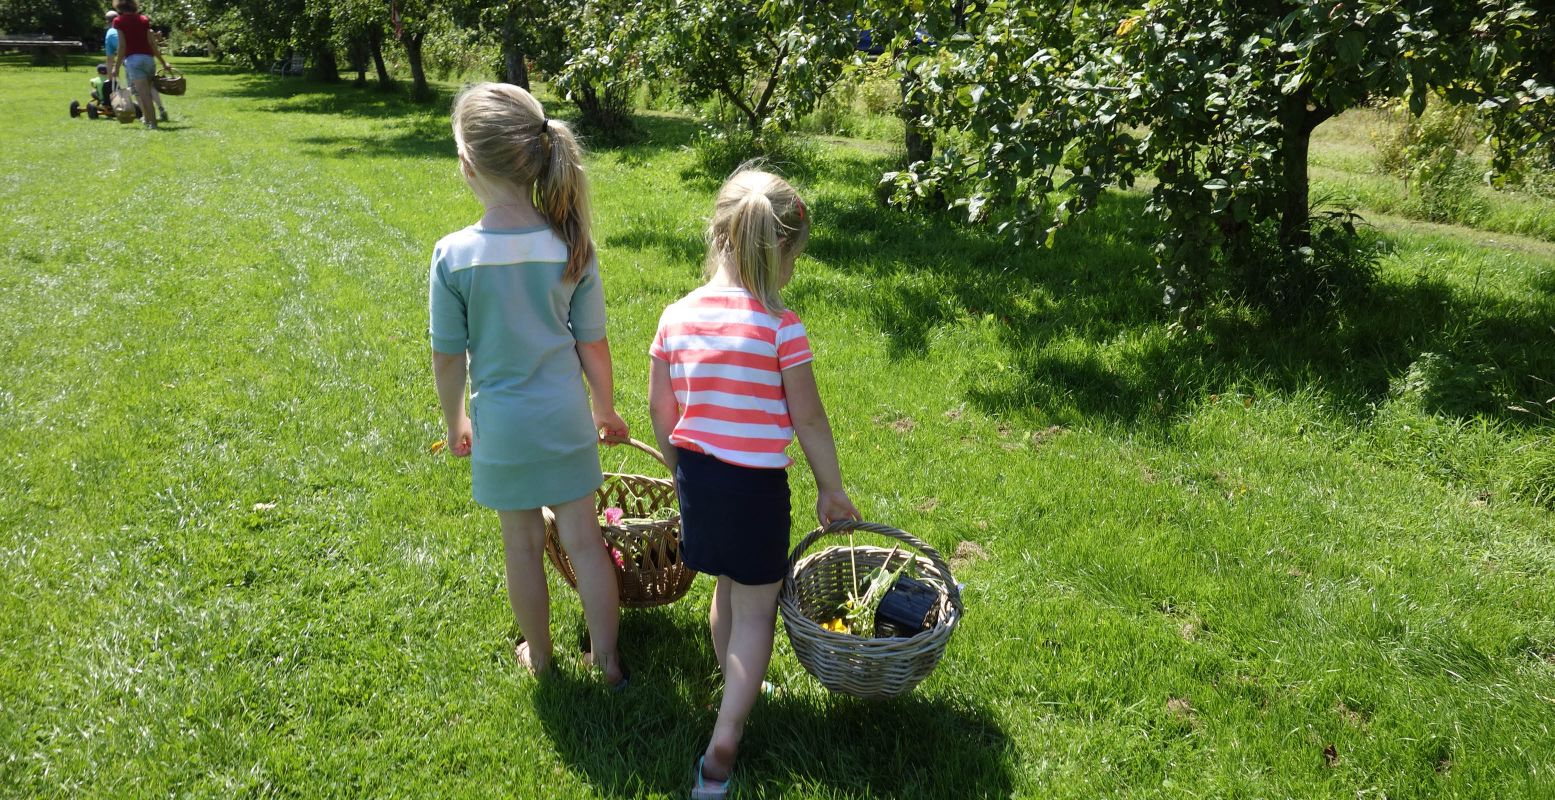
[[906, 610]]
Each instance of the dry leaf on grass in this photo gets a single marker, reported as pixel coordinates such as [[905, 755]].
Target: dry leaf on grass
[[263, 506]]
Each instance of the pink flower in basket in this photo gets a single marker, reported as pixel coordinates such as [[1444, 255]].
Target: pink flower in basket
[[616, 556], [613, 516]]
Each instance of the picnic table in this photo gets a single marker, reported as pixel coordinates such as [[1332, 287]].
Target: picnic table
[[41, 46]]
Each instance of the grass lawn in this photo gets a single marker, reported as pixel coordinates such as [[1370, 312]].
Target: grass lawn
[[1261, 560]]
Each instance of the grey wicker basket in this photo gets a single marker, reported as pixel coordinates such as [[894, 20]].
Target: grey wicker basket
[[818, 584]]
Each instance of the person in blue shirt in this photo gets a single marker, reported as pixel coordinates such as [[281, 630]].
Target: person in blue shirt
[[111, 38]]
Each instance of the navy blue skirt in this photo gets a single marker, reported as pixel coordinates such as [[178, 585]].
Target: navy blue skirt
[[734, 520]]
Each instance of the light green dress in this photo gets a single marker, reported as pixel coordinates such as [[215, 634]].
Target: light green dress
[[498, 295]]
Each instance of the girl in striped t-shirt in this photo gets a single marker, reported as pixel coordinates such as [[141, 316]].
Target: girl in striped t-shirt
[[730, 386]]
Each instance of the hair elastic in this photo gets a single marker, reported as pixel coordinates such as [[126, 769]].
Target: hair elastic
[[800, 204], [545, 125]]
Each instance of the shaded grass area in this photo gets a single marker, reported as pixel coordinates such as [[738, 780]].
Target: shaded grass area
[[1244, 562]]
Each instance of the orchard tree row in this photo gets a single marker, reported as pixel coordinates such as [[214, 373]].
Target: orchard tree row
[[1017, 114]]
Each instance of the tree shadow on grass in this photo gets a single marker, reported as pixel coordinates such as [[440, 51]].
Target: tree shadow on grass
[[681, 248], [1545, 281], [424, 127], [1081, 326], [657, 132]]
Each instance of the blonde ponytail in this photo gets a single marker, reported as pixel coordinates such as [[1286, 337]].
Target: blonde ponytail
[[562, 195], [758, 223], [504, 133]]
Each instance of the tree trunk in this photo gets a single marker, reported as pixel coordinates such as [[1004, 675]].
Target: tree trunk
[[919, 142], [418, 75], [1296, 282], [325, 68], [514, 70], [358, 54], [1298, 121], [375, 46], [604, 113]]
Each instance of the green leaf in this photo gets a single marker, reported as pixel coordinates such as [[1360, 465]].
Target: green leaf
[[1350, 46]]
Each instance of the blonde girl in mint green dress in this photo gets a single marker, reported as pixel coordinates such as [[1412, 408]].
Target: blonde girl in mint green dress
[[518, 312]]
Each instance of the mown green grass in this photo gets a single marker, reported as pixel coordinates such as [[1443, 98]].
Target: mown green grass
[[1239, 562]]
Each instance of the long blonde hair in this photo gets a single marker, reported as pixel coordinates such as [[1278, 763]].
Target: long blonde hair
[[758, 222], [504, 133]]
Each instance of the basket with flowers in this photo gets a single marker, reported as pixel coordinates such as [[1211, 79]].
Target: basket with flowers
[[641, 525]]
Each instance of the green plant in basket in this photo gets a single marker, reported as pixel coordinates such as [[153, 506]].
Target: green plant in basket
[[857, 615]]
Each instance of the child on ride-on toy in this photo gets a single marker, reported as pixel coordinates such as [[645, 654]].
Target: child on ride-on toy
[[101, 104]]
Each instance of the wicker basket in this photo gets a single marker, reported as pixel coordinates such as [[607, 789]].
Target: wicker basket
[[170, 81], [650, 570], [817, 585]]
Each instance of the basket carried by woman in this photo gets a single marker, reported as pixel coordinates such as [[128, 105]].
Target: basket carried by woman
[[644, 541], [818, 586], [170, 81]]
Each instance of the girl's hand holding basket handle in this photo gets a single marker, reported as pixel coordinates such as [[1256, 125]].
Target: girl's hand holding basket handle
[[835, 506], [612, 428]]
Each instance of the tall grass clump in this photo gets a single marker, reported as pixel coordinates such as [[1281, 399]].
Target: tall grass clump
[[719, 150], [1435, 155]]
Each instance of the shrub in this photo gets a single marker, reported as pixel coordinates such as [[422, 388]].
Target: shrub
[[879, 87], [720, 151], [1337, 270], [1446, 385], [1434, 154]]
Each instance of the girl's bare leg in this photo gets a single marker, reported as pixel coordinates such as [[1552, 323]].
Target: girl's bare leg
[[751, 628], [143, 95], [719, 615], [523, 545], [578, 527]]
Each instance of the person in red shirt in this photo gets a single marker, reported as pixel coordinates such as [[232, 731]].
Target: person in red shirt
[[139, 55]]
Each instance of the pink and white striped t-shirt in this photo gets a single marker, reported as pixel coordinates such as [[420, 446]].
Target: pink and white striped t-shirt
[[726, 355]]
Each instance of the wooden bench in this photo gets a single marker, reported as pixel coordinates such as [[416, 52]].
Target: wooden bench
[[41, 46]]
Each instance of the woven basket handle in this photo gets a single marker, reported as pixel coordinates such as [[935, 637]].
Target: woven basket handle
[[630, 442], [847, 526]]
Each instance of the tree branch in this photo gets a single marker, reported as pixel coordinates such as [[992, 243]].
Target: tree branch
[[738, 101], [766, 94]]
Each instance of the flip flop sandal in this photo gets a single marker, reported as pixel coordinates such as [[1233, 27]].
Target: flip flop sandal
[[705, 788]]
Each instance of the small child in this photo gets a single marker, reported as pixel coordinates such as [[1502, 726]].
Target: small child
[[729, 385], [517, 307], [102, 89]]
